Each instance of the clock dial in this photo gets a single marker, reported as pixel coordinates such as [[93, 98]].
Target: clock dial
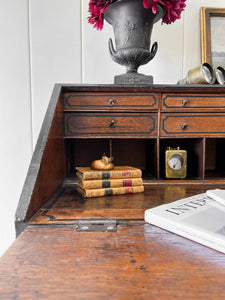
[[175, 161]]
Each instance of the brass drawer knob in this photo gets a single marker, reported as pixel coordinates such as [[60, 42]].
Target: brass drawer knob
[[184, 126], [111, 102], [185, 102], [112, 124]]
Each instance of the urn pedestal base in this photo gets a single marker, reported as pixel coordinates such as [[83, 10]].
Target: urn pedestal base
[[133, 79]]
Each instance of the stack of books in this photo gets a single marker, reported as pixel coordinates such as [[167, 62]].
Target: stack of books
[[120, 180]]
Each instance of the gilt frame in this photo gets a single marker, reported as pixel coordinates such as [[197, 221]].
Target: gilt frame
[[206, 13]]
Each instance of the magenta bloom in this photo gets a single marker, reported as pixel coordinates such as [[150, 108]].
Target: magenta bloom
[[96, 10], [172, 9], [152, 4]]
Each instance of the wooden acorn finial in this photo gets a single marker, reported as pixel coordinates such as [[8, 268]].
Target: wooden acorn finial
[[103, 164]]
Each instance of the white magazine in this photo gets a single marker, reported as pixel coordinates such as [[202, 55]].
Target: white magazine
[[199, 218], [217, 194]]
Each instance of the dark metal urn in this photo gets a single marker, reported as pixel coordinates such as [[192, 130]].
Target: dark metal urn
[[132, 25]]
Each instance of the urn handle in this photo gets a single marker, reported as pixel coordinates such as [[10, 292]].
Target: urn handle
[[154, 49]]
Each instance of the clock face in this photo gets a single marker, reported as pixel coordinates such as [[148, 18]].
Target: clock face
[[176, 161]]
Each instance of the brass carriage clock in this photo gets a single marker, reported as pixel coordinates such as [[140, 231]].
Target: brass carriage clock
[[176, 163]]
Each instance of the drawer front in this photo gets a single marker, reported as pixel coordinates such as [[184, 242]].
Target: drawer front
[[100, 101], [192, 124], [198, 102], [110, 125]]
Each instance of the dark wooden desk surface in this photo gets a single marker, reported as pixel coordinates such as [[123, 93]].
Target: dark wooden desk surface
[[52, 260], [139, 261]]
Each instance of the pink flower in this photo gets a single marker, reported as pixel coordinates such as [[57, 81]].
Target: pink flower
[[97, 9], [172, 9], [152, 4]]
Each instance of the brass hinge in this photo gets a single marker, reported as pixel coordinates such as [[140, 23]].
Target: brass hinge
[[97, 225]]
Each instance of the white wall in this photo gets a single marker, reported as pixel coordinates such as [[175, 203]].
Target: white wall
[[49, 41], [15, 117]]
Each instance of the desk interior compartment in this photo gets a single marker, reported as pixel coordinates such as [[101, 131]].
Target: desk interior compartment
[[215, 158], [138, 153], [195, 154]]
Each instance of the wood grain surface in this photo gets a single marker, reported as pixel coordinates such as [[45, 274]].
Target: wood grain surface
[[137, 262], [110, 125], [194, 102], [110, 101], [175, 124], [67, 206]]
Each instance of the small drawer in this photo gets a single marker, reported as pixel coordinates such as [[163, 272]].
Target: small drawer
[[103, 101], [192, 124], [110, 125], [199, 102]]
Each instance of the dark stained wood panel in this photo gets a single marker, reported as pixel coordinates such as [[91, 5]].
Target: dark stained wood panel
[[47, 168], [136, 262], [194, 124], [110, 101], [110, 125], [154, 88], [195, 102]]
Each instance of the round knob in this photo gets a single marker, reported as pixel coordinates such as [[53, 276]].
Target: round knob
[[184, 126], [185, 102], [111, 102], [112, 124]]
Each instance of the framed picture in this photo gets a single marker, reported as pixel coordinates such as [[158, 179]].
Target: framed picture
[[213, 36]]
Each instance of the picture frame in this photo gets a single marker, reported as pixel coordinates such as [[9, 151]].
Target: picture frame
[[212, 36]]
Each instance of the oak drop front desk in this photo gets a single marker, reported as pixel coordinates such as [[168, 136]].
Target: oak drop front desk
[[55, 258]]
